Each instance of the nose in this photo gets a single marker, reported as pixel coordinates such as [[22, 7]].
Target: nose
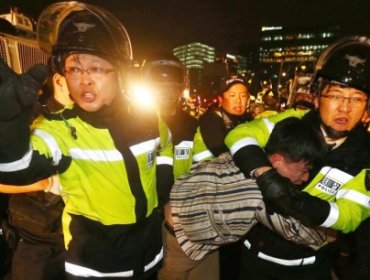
[[85, 78], [239, 100], [305, 176], [344, 105]]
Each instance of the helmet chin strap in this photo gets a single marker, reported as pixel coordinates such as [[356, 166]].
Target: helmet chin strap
[[333, 137]]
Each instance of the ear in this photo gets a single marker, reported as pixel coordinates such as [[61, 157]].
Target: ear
[[59, 80], [56, 79], [220, 99], [316, 102], [276, 160]]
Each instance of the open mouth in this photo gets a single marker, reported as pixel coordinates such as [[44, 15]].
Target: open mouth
[[341, 121], [88, 97]]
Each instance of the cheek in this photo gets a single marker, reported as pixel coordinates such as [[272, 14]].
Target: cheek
[[72, 87], [108, 89], [326, 112], [358, 114], [226, 104]]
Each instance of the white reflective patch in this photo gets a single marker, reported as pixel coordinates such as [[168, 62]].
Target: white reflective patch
[[96, 155], [164, 160], [270, 125], [201, 156], [17, 165], [185, 144], [81, 271], [243, 143], [247, 244], [333, 216], [156, 260], [291, 262], [333, 180], [52, 145], [355, 196], [144, 147]]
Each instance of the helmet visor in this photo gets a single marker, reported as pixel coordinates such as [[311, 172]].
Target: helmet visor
[[167, 74]]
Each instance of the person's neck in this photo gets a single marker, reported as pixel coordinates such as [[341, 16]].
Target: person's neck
[[106, 115], [333, 143]]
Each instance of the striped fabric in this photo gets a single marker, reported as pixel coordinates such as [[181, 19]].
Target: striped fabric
[[215, 205], [212, 206], [292, 230]]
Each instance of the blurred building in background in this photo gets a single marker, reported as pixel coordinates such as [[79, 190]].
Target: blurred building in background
[[194, 56]]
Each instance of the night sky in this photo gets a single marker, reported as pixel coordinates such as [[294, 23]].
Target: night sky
[[227, 25]]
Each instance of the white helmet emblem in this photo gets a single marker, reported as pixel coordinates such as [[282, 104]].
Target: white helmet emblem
[[82, 26], [354, 61]]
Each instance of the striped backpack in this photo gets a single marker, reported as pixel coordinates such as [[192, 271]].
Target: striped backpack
[[215, 205]]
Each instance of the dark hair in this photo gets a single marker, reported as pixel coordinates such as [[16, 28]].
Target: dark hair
[[296, 140]]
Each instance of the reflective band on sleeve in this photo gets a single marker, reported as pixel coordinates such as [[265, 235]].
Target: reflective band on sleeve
[[20, 164], [355, 196], [270, 125], [96, 155], [243, 143], [185, 144], [144, 147], [285, 262], [52, 145], [333, 216], [202, 155], [81, 271], [164, 160]]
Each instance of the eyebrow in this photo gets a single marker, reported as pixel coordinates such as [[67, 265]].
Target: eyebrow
[[336, 88]]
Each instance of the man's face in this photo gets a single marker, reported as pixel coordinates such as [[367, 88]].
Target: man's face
[[296, 172], [234, 101], [93, 87], [341, 108], [168, 95]]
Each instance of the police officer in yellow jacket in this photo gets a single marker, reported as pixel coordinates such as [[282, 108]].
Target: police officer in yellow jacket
[[113, 160], [342, 76]]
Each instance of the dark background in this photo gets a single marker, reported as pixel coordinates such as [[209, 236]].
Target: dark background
[[228, 25]]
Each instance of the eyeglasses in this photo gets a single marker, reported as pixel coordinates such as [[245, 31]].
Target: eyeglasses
[[94, 72], [355, 100]]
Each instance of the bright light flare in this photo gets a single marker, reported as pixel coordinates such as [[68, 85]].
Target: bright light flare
[[142, 96]]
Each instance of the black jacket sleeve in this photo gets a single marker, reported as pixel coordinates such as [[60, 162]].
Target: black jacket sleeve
[[17, 97], [213, 131]]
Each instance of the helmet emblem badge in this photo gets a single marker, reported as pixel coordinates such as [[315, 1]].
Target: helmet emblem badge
[[354, 61], [83, 26]]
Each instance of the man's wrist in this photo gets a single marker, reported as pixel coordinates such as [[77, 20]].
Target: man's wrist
[[259, 171]]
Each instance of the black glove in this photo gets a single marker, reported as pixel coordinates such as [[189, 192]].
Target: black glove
[[282, 197], [19, 91], [277, 191], [17, 96]]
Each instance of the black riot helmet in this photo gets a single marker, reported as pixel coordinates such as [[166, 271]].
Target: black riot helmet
[[168, 79], [346, 62], [72, 27]]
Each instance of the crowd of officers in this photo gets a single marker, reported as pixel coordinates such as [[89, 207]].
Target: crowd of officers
[[89, 178]]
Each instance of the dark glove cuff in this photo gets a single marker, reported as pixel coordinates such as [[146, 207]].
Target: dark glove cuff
[[250, 158]]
